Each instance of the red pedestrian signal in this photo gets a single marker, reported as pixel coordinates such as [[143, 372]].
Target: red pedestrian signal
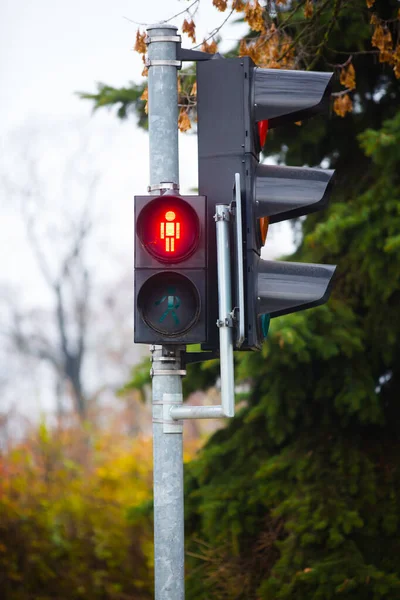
[[169, 229], [170, 269]]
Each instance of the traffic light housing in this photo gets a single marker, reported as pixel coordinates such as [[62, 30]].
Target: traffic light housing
[[237, 104], [170, 265]]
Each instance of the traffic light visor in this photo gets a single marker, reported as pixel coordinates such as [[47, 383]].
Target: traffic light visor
[[284, 96], [169, 229]]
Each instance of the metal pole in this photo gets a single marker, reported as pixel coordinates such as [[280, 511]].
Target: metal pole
[[167, 442]]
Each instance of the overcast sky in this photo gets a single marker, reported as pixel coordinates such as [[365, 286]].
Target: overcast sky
[[49, 50]]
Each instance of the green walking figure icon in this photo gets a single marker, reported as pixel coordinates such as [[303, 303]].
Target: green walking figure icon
[[173, 303]]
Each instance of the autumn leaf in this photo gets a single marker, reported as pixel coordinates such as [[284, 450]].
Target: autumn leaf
[[183, 121], [308, 9], [348, 77], [396, 60], [140, 44], [378, 37], [343, 105], [145, 98], [273, 49], [370, 3], [193, 91], [220, 4], [211, 48], [189, 27], [238, 5], [253, 15]]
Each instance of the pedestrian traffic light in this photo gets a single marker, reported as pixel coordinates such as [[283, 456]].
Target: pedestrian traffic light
[[170, 265], [237, 104]]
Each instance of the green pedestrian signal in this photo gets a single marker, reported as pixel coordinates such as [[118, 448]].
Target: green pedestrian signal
[[173, 303]]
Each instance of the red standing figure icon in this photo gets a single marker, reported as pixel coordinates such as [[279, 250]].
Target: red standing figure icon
[[170, 230]]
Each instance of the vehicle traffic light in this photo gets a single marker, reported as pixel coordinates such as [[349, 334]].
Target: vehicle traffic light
[[170, 265], [237, 104]]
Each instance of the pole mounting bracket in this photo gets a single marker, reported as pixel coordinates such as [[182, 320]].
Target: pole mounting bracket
[[186, 54], [157, 62], [181, 372], [227, 322], [149, 39], [163, 186]]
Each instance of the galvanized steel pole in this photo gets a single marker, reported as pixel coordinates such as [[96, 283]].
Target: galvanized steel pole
[[166, 361]]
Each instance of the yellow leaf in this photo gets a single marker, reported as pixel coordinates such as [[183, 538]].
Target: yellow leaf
[[370, 3]]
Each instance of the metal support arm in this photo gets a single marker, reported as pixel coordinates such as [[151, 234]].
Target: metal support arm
[[225, 324]]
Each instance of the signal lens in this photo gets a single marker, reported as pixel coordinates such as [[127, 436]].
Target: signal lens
[[169, 229], [169, 303], [262, 127], [263, 223]]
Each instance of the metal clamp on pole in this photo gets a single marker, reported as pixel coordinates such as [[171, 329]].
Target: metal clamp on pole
[[162, 63], [163, 187], [149, 39]]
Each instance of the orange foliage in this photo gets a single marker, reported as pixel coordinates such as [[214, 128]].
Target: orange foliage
[[145, 98], [183, 120], [308, 9], [140, 44], [348, 77], [238, 5], [189, 27], [220, 4], [342, 105], [272, 50], [211, 47], [253, 15]]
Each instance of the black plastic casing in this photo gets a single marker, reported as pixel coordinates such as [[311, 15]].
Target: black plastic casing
[[232, 96], [193, 268]]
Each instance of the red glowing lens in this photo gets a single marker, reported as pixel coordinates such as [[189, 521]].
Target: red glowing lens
[[169, 229], [262, 132]]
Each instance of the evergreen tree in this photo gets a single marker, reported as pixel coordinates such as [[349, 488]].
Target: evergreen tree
[[299, 496]]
